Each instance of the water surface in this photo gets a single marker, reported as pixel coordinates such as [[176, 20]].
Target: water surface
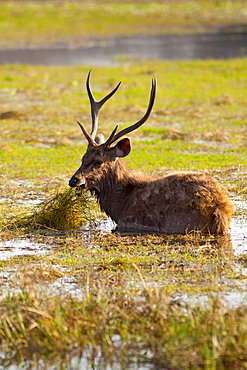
[[112, 51]]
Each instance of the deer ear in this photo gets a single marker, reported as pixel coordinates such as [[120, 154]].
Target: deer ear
[[122, 148]]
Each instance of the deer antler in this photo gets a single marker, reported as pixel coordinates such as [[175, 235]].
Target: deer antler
[[95, 107], [113, 137]]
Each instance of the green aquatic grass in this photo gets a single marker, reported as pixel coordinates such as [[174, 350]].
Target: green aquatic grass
[[33, 22], [40, 164]]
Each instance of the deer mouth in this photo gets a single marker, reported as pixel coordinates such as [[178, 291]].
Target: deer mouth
[[79, 190]]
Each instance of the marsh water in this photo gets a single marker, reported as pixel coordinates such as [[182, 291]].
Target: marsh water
[[20, 246], [225, 44]]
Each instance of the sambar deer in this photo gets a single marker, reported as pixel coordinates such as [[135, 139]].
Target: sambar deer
[[177, 203]]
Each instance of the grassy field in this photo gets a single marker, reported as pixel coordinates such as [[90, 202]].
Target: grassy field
[[198, 122], [32, 23], [82, 297]]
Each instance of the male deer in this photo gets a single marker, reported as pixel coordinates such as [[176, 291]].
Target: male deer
[[177, 203]]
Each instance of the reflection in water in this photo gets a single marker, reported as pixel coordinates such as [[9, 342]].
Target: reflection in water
[[107, 52]]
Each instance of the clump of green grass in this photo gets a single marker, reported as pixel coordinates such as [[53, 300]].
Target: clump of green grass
[[64, 210]]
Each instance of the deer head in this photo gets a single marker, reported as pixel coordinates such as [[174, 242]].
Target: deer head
[[100, 154]]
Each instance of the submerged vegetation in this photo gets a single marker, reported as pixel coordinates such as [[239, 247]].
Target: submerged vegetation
[[89, 298]]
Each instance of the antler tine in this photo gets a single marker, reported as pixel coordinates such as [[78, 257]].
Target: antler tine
[[89, 139], [96, 105], [109, 140], [139, 123]]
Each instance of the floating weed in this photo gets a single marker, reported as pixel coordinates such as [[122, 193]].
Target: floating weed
[[62, 211]]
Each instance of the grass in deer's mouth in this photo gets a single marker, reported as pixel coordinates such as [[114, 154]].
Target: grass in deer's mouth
[[63, 211]]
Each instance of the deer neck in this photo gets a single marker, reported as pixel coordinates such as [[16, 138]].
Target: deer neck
[[114, 188]]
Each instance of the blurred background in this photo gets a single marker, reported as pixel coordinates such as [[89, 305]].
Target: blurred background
[[106, 32]]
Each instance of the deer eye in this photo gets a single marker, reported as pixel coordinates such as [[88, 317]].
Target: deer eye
[[98, 163]]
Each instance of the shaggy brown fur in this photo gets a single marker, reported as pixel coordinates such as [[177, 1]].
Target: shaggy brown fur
[[177, 203]]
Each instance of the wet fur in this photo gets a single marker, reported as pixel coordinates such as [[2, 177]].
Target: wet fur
[[176, 203]]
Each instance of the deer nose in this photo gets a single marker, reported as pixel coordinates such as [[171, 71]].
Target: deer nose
[[73, 182]]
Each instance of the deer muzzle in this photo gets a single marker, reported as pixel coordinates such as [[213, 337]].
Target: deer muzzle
[[76, 181]]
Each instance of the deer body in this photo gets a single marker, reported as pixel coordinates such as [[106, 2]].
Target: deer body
[[179, 202]]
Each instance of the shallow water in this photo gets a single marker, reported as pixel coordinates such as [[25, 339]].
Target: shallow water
[[238, 229], [83, 364], [20, 247], [228, 43], [238, 234]]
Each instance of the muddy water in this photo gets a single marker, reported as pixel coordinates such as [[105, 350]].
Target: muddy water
[[232, 299], [230, 43]]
